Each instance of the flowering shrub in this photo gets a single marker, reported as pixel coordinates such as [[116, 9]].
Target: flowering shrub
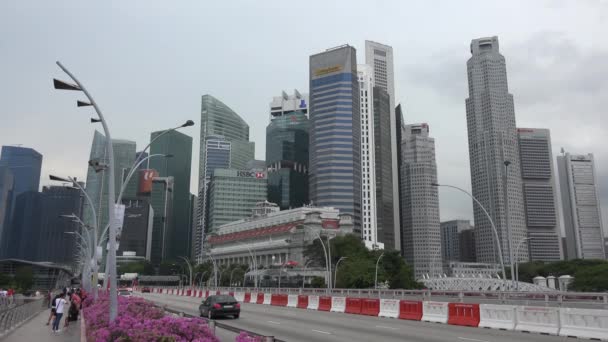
[[139, 320]]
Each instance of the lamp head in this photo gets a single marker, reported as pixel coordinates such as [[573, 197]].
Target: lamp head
[[434, 184], [188, 123], [61, 85]]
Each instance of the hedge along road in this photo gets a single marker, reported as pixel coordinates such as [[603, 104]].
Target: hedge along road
[[299, 325]]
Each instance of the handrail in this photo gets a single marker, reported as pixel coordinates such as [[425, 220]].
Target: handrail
[[13, 317]]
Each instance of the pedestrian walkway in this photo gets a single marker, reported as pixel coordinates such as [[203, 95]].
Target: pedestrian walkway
[[37, 330]]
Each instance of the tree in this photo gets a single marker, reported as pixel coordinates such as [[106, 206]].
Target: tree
[[317, 282], [5, 280], [589, 274], [591, 279], [24, 278]]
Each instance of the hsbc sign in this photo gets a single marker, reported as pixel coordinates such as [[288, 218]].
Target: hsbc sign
[[251, 174]]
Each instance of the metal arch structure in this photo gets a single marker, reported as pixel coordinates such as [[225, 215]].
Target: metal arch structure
[[477, 284]]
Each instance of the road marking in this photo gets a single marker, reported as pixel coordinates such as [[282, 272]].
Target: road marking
[[471, 339], [322, 332], [273, 322], [385, 327]]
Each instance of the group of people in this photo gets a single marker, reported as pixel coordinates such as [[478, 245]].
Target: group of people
[[68, 300], [7, 295]]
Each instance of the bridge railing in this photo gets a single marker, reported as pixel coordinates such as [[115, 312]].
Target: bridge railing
[[554, 298], [12, 316]]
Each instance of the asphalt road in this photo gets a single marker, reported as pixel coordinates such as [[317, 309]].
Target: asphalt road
[[298, 325]]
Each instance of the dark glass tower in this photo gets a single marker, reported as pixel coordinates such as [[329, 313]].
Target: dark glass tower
[[25, 164], [384, 171], [180, 146], [287, 157], [335, 132]]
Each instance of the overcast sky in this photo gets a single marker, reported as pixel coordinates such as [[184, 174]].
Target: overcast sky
[[147, 63]]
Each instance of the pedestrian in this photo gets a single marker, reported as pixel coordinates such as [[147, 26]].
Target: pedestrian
[[53, 308], [60, 306]]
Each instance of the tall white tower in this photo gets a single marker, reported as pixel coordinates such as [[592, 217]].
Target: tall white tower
[[492, 142], [380, 58], [369, 228]]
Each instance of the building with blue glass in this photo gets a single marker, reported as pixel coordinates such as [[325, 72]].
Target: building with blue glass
[[25, 164], [335, 132]]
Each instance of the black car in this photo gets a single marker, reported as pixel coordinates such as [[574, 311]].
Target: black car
[[220, 305]]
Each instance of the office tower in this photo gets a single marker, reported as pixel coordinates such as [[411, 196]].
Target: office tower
[[539, 190], [467, 245], [421, 238], [218, 119], [399, 129], [192, 223], [450, 238], [369, 218], [492, 142], [380, 57], [178, 166], [7, 183], [384, 173], [287, 151], [25, 165], [97, 181], [42, 237], [335, 132], [256, 164], [233, 194], [581, 206], [161, 200], [136, 235]]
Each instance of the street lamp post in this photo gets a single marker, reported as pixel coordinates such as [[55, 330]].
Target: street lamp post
[[189, 268], [336, 270], [113, 307], [327, 274], [519, 244], [254, 263], [502, 264], [509, 233], [95, 227], [435, 255], [304, 275], [376, 278]]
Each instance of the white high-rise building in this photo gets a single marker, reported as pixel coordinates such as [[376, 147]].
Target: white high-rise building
[[421, 238], [380, 58], [493, 153], [369, 228], [581, 203], [542, 212]]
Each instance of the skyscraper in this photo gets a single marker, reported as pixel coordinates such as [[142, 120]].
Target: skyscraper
[[369, 217], [96, 186], [287, 151], [233, 194], [178, 145], [25, 164], [542, 213], [380, 58], [450, 238], [335, 132], [219, 120], [580, 200], [136, 234], [384, 173], [421, 238], [492, 142], [6, 203]]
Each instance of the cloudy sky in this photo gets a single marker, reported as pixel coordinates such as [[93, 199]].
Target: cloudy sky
[[148, 62]]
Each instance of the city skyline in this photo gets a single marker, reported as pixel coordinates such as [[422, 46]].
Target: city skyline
[[437, 81]]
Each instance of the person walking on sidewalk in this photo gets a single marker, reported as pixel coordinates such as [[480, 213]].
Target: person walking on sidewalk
[[53, 309], [59, 309]]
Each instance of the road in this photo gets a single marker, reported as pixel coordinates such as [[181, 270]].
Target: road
[[298, 325]]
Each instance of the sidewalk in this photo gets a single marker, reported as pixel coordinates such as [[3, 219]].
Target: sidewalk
[[36, 330]]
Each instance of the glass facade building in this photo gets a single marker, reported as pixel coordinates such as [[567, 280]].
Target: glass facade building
[[6, 203], [25, 164], [96, 186], [233, 194], [287, 156], [335, 165], [217, 119], [179, 146]]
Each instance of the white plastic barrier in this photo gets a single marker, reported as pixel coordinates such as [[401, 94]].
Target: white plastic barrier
[[292, 301], [389, 308], [497, 316], [313, 303], [584, 323], [435, 312], [338, 304], [537, 319], [239, 296], [267, 298], [254, 298]]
